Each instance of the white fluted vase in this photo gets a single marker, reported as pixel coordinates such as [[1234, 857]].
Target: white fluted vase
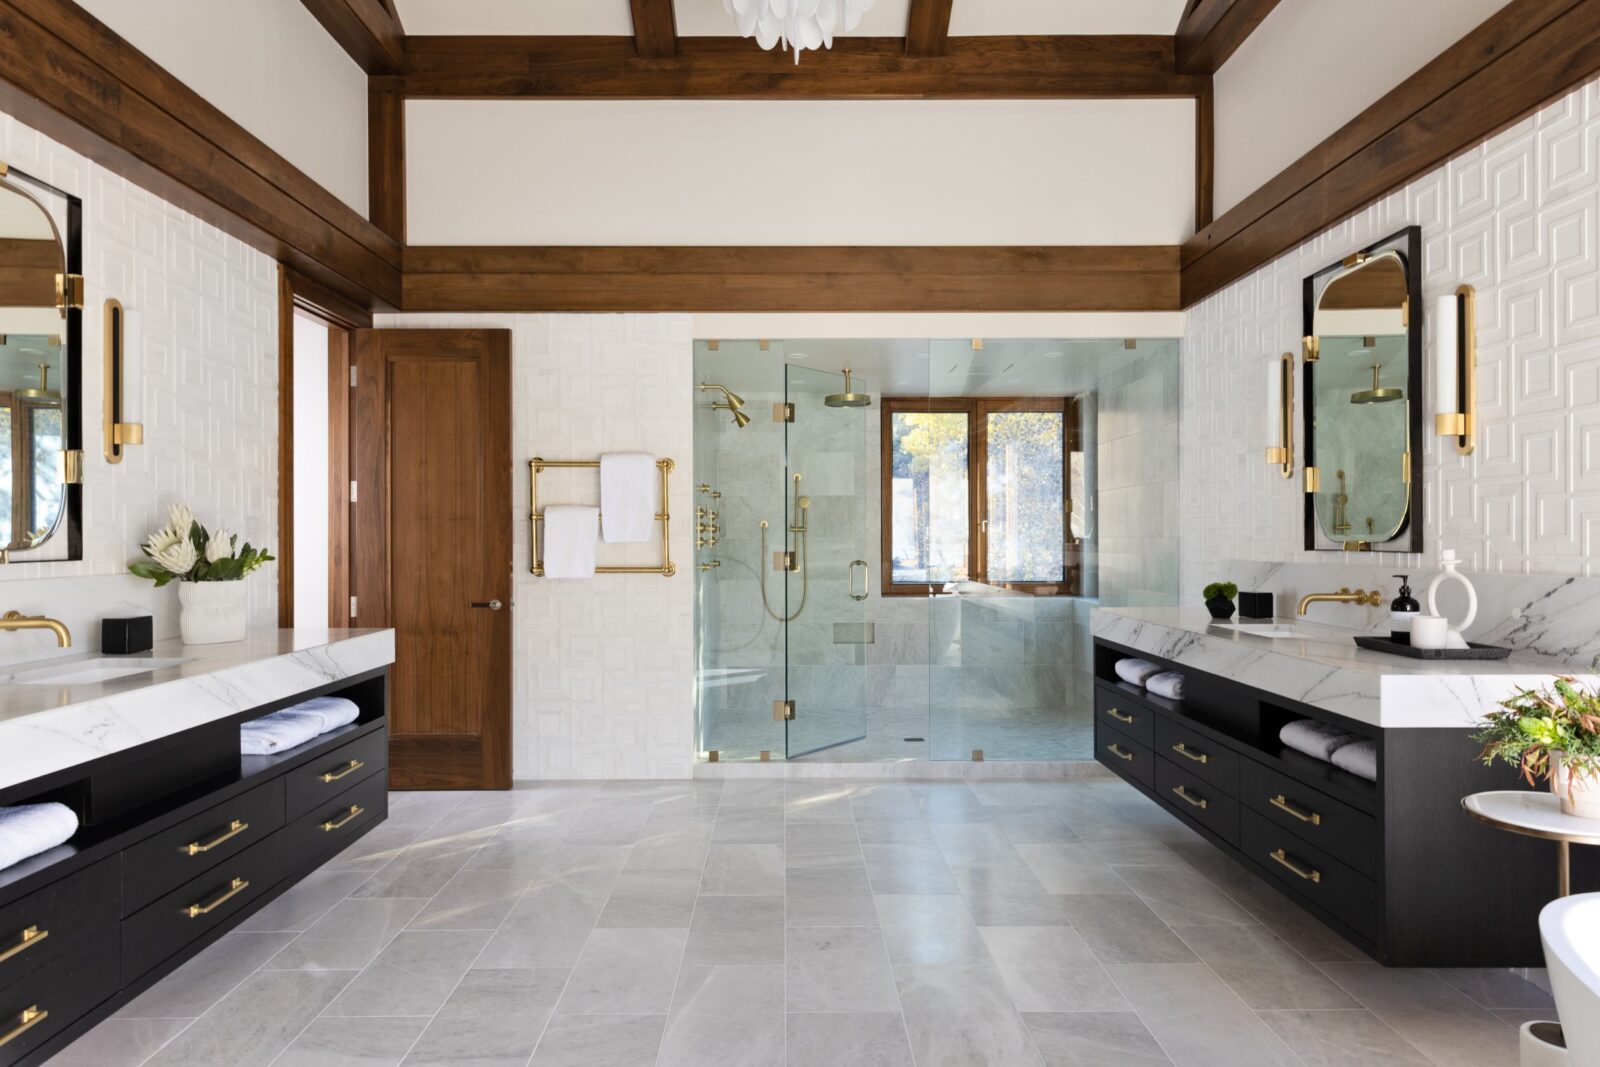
[[211, 613]]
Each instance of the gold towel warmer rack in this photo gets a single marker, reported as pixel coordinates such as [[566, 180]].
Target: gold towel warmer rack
[[666, 568]]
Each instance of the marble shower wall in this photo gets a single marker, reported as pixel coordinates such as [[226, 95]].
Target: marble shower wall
[[1517, 218]]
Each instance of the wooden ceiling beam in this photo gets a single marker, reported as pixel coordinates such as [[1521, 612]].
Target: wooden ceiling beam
[[655, 28], [856, 68], [368, 30], [1212, 30], [928, 27]]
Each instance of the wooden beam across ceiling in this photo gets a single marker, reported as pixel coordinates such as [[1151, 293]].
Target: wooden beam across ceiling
[[808, 278], [655, 28], [368, 30], [1212, 30], [856, 67], [928, 27]]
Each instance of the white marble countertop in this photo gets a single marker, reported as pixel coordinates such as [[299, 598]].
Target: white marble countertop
[[1322, 666], [47, 728]]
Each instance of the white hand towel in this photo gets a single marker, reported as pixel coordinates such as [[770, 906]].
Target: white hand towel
[[1135, 671], [1167, 684], [627, 497], [570, 533], [1314, 738], [29, 829], [293, 727], [1359, 758]]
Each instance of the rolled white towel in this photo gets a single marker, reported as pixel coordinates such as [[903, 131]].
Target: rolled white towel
[[1319, 740], [1359, 758], [1167, 684], [29, 829], [1135, 671], [292, 727]]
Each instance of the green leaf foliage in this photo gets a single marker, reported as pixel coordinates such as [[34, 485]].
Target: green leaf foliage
[[1526, 730]]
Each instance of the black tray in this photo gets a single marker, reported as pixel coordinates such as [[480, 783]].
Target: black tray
[[1394, 648]]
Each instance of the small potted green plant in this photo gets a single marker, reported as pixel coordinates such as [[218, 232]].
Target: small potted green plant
[[1219, 599], [1550, 735]]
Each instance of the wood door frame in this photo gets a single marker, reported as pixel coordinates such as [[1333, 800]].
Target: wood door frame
[[298, 294]]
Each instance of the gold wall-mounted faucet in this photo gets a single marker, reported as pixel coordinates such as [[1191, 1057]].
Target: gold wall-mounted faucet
[[15, 620], [1343, 596]]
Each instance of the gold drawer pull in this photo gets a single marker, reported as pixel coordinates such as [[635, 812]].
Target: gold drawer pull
[[29, 1018], [235, 828], [348, 769], [1282, 859], [343, 820], [1190, 798], [1281, 802], [1188, 753], [1119, 716], [1117, 752], [30, 937], [237, 886]]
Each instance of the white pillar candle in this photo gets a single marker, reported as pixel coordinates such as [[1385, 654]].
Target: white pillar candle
[[1446, 357], [1275, 404]]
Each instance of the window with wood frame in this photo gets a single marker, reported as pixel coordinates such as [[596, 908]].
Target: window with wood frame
[[981, 489]]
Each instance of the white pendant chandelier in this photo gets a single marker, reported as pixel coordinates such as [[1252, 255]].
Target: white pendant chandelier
[[797, 24]]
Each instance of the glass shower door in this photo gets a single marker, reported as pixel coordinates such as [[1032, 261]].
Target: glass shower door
[[826, 592]]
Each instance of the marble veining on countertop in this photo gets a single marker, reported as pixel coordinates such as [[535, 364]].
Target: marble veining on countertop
[[46, 728], [1322, 666]]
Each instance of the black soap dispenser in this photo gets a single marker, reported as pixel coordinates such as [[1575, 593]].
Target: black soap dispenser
[[1402, 611]]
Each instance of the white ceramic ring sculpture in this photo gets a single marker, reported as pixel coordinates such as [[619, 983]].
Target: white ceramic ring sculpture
[[1449, 563]]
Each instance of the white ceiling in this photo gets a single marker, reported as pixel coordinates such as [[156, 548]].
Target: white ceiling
[[707, 18]]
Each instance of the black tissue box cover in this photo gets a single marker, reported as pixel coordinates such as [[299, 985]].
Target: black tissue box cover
[[118, 636], [1255, 605]]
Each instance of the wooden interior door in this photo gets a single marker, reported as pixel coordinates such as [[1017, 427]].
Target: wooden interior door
[[430, 435]]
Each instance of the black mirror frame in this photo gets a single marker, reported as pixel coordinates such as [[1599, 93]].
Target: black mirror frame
[[1408, 243]]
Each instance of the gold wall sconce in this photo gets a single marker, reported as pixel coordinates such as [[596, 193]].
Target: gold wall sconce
[[1280, 413], [121, 430], [1455, 373]]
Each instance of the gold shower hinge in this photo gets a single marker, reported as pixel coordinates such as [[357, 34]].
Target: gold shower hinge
[[72, 466], [782, 710], [1313, 480], [783, 413], [1355, 259], [69, 291], [1312, 348], [713, 346], [785, 561]]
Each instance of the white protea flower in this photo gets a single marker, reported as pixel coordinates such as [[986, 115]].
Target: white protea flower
[[220, 546], [181, 519], [162, 540], [178, 557]]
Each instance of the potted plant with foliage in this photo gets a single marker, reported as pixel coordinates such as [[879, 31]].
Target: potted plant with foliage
[[1550, 734], [211, 567], [1219, 599]]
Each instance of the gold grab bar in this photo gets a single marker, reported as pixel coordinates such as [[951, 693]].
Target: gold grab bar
[[666, 568], [1191, 799], [1119, 753], [30, 1017], [1281, 802], [235, 828], [1190, 754], [237, 886], [30, 937], [866, 579], [343, 820], [344, 772], [1281, 858]]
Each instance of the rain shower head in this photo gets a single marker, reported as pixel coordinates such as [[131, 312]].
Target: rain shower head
[[1377, 394], [848, 399]]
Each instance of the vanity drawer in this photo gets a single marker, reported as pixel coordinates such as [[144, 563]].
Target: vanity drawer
[[197, 844], [1198, 799], [314, 782], [1198, 755], [1311, 873], [43, 1004], [46, 923], [330, 825], [1125, 714], [199, 905], [1128, 758], [1316, 818]]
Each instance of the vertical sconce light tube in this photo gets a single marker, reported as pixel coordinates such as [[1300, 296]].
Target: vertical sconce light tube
[[1280, 413], [120, 425], [1455, 369]]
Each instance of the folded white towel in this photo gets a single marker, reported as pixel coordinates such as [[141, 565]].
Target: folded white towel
[[1317, 739], [1135, 671], [293, 727], [1167, 684], [1359, 758], [569, 541], [627, 497], [29, 829]]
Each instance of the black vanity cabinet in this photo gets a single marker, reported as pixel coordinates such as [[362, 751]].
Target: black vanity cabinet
[[182, 839], [1394, 866]]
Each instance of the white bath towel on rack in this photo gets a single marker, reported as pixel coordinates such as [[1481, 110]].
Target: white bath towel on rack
[[570, 533], [627, 497]]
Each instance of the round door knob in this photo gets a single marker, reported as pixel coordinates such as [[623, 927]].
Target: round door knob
[[492, 605]]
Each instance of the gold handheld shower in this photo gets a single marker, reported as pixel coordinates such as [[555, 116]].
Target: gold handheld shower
[[797, 528], [733, 404]]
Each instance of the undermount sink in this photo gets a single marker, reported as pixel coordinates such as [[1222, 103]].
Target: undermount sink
[[1260, 629], [89, 671]]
